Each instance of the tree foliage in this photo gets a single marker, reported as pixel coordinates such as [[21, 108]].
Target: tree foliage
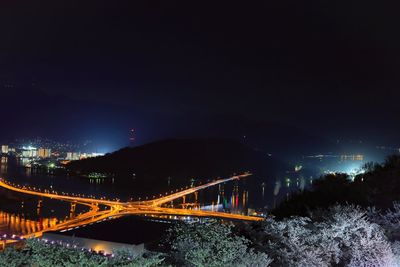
[[213, 245], [39, 254], [355, 240], [378, 186], [389, 220], [339, 236]]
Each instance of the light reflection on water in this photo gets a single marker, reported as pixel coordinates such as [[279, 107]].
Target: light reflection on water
[[19, 225], [239, 197], [35, 215]]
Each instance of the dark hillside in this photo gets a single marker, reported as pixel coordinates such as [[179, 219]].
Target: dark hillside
[[182, 160]]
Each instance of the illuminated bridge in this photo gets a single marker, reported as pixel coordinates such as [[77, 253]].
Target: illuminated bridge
[[115, 209]]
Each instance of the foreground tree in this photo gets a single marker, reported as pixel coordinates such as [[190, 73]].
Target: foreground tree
[[353, 239], [213, 245], [127, 258], [389, 220], [293, 242], [39, 254], [14, 258], [339, 236]]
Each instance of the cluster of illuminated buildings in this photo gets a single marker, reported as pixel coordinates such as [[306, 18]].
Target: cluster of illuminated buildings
[[30, 154]]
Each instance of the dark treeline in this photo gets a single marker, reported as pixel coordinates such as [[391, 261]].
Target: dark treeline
[[378, 185]]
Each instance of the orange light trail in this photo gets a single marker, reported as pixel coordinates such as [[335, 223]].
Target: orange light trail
[[117, 209]]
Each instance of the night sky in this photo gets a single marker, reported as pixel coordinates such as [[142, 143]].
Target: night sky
[[94, 70]]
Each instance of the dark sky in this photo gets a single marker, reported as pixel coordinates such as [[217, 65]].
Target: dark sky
[[94, 69]]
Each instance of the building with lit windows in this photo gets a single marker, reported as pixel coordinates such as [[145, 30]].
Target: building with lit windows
[[44, 153], [29, 152], [4, 149], [73, 156]]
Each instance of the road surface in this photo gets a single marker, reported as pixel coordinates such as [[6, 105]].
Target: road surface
[[114, 209]]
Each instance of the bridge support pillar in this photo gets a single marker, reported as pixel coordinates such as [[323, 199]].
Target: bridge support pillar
[[72, 211], [73, 207], [39, 207]]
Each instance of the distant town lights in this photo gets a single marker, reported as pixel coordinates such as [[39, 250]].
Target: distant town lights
[[29, 148]]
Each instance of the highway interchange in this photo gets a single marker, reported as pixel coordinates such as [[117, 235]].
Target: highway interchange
[[116, 209]]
